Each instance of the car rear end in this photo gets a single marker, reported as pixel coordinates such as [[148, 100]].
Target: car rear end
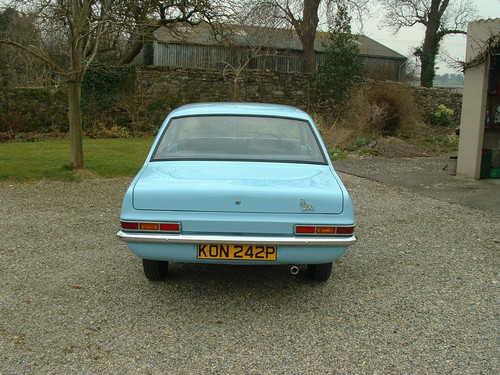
[[266, 201]]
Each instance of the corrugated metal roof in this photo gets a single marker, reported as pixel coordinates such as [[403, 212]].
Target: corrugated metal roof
[[487, 20], [278, 38]]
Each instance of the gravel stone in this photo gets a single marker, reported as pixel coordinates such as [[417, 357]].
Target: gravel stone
[[418, 293]]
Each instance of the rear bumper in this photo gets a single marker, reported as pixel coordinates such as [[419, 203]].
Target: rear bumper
[[235, 240]]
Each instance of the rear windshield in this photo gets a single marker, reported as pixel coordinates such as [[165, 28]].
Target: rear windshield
[[239, 138]]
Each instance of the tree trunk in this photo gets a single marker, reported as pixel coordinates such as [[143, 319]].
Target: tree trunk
[[75, 124], [132, 52], [428, 62], [430, 47], [79, 15], [137, 41], [236, 88], [306, 31], [309, 57], [74, 106]]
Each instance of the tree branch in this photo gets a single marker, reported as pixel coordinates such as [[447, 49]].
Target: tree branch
[[451, 31], [56, 68]]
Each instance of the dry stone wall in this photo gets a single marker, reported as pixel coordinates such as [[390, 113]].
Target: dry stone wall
[[428, 99], [158, 90], [188, 85]]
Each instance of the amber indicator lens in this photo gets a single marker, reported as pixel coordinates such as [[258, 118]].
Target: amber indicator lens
[[149, 226], [325, 230]]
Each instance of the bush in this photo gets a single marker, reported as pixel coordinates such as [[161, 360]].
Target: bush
[[393, 106], [443, 116], [114, 131], [380, 109], [33, 110], [341, 71]]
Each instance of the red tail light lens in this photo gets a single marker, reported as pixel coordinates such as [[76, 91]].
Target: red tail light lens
[[303, 229], [152, 227], [323, 230], [170, 227], [345, 230], [129, 226]]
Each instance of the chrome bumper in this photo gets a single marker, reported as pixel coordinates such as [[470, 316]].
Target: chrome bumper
[[235, 240]]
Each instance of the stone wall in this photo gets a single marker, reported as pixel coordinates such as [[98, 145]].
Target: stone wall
[[158, 90], [428, 99], [188, 85]]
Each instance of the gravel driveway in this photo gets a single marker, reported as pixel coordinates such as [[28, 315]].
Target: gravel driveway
[[418, 293]]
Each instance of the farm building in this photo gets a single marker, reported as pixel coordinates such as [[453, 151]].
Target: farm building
[[263, 48]]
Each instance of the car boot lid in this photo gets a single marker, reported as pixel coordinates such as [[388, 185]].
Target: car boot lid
[[208, 186]]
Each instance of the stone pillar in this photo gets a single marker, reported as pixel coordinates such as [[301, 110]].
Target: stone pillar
[[475, 96]]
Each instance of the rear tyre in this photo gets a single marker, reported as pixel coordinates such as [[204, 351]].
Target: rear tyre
[[155, 270], [319, 272]]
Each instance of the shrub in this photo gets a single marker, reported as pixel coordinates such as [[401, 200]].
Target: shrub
[[32, 110], [114, 131], [443, 116], [392, 106], [378, 110], [342, 70]]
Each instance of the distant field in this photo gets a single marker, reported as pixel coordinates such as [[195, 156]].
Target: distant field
[[51, 159]]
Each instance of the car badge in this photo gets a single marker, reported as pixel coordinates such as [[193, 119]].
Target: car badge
[[306, 206]]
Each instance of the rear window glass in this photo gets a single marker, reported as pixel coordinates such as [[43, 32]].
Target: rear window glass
[[239, 138]]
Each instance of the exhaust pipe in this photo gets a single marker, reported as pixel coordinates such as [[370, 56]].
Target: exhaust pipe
[[294, 270]]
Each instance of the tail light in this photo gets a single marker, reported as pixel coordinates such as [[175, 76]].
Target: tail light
[[324, 230], [151, 227]]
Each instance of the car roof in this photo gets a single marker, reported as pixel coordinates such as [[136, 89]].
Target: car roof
[[227, 108]]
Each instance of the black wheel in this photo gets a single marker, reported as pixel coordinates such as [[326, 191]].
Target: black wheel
[[155, 270], [319, 272]]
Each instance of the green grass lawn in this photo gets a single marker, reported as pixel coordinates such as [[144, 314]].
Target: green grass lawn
[[50, 160]]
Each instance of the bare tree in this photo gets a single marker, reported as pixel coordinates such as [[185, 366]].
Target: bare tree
[[150, 15], [252, 36], [255, 42], [304, 17], [83, 23], [439, 17], [83, 26], [18, 68]]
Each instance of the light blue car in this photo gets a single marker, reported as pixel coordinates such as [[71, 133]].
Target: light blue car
[[238, 183]]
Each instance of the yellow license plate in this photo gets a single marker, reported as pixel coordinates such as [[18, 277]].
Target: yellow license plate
[[235, 252]]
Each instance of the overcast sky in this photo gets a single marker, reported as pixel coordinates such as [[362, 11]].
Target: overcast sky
[[409, 38]]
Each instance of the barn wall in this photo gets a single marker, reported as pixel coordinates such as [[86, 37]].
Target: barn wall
[[383, 69]]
